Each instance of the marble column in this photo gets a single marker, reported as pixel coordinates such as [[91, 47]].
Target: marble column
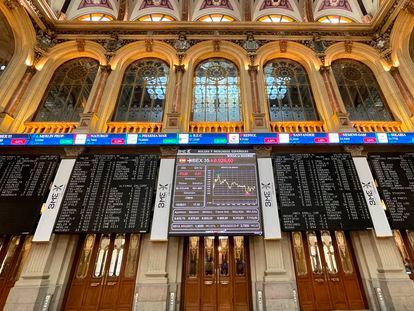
[[403, 88], [173, 117], [259, 120], [7, 116], [340, 116]]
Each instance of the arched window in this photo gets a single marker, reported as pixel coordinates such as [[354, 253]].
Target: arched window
[[360, 91], [95, 17], [289, 91], [216, 91], [6, 43], [276, 18], [335, 19], [156, 17], [68, 91], [216, 18], [143, 90]]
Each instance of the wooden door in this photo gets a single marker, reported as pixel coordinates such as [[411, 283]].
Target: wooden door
[[13, 252], [404, 239], [216, 274], [103, 277], [326, 276]]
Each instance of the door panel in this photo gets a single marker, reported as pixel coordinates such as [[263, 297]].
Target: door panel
[[404, 239], [326, 276], [13, 252], [104, 273], [216, 274]]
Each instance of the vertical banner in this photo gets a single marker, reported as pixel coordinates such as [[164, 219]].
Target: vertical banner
[[271, 223], [49, 214], [379, 219], [160, 222]]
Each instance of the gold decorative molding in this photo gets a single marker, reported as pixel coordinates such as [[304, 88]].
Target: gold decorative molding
[[377, 126], [49, 127], [133, 127], [297, 126], [216, 127]]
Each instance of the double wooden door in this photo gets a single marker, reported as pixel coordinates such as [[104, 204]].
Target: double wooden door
[[326, 274], [216, 274], [13, 251], [104, 273], [404, 239]]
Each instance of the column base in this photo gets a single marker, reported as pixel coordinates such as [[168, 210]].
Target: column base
[[259, 123], [173, 123], [280, 296], [6, 121], [342, 123], [87, 123], [150, 297]]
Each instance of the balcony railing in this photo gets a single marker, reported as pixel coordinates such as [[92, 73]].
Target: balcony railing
[[49, 127], [216, 127], [133, 127], [297, 126], [377, 126]]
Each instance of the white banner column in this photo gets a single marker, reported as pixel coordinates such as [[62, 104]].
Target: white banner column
[[54, 200], [270, 213], [160, 222], [379, 219]]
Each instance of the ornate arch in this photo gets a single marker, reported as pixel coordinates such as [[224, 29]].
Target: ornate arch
[[24, 41], [211, 49], [401, 36], [370, 57], [46, 67], [120, 62], [307, 58], [226, 7]]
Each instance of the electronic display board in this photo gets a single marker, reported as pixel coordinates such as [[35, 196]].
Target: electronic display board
[[395, 177], [109, 194], [319, 191], [24, 184], [215, 192]]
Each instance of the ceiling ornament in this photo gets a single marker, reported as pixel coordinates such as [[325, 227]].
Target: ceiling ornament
[[95, 3], [335, 4], [280, 4], [224, 4], [156, 4]]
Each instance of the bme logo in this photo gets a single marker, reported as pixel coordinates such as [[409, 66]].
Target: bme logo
[[266, 186], [267, 194], [162, 195], [369, 191], [56, 190]]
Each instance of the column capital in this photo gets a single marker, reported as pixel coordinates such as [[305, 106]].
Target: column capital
[[324, 68], [105, 68], [179, 68], [394, 70], [253, 68], [31, 69]]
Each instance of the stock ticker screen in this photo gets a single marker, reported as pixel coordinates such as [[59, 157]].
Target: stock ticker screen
[[215, 192]]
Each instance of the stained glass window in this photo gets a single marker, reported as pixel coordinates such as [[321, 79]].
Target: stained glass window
[[95, 17], [275, 18], [216, 18], [360, 91], [288, 91], [68, 91], [334, 19], [143, 91], [156, 18], [216, 92]]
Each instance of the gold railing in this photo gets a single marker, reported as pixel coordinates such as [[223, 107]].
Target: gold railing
[[297, 126], [49, 127], [377, 126], [216, 127], [133, 127]]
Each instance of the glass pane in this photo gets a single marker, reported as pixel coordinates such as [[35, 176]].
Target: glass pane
[[143, 92], [132, 258], [314, 253], [68, 91], [360, 91], [344, 253], [329, 252], [8, 259], [223, 252], [117, 256], [102, 256], [216, 92], [299, 254], [289, 91], [209, 256], [193, 246], [403, 251], [239, 256], [85, 257]]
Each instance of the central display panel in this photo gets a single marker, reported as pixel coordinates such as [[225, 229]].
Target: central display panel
[[215, 192]]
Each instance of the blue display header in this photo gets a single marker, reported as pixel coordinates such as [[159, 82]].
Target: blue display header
[[214, 139]]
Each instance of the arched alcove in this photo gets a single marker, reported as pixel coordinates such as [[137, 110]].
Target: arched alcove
[[7, 44]]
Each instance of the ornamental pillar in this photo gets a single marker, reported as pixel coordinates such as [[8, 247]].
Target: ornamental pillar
[[7, 116], [89, 118], [259, 120], [403, 88], [340, 116], [173, 117]]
